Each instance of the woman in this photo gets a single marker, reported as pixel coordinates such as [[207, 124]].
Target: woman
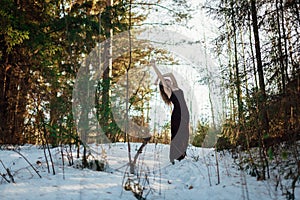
[[171, 93]]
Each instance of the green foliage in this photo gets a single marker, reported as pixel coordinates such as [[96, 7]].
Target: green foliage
[[201, 133], [261, 103], [270, 153], [14, 37], [284, 155], [41, 48], [223, 143]]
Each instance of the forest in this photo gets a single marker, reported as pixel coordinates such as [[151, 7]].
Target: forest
[[51, 48]]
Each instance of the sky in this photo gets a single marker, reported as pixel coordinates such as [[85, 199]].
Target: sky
[[197, 60]]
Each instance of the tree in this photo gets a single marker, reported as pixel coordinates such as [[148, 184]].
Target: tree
[[264, 54], [201, 133], [20, 48]]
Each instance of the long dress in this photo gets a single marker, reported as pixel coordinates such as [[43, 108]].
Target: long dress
[[179, 126]]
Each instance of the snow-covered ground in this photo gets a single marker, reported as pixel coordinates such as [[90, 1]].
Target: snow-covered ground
[[195, 177]]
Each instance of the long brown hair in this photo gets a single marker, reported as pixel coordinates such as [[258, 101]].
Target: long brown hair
[[163, 94]]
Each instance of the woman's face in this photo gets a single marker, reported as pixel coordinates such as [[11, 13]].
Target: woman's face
[[168, 82]]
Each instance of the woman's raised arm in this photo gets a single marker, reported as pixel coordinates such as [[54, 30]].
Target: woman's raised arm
[[160, 76], [173, 79]]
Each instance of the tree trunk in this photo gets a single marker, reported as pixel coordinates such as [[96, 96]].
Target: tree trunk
[[107, 73], [237, 79], [260, 71], [281, 63], [3, 103], [263, 118], [252, 54], [286, 63], [12, 104]]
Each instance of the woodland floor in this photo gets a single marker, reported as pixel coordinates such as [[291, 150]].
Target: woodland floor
[[195, 177]]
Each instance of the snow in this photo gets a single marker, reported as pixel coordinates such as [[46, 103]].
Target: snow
[[195, 177]]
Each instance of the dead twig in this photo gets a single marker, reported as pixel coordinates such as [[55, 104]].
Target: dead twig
[[3, 175], [133, 163], [36, 171], [8, 173]]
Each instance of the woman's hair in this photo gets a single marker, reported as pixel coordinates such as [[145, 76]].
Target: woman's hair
[[163, 94]]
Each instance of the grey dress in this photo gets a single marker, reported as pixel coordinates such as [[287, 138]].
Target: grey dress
[[179, 126]]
